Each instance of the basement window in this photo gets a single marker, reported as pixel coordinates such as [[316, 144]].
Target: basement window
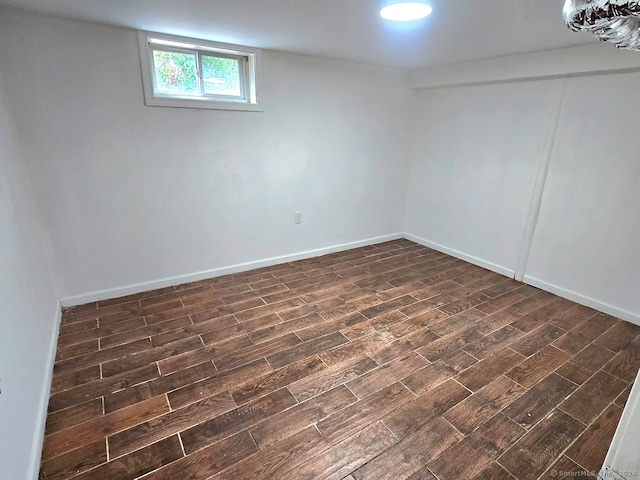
[[190, 73]]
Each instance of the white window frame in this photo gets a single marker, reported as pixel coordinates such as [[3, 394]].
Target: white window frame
[[250, 63]]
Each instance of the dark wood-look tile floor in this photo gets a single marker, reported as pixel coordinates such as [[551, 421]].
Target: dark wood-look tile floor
[[392, 361]]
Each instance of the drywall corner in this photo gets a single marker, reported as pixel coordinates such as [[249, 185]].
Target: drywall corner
[[508, 272], [41, 420]]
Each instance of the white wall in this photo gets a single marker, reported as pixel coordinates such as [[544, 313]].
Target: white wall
[[476, 153], [29, 312], [133, 194], [586, 242]]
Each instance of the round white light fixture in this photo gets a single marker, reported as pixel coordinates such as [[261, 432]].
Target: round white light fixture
[[405, 12]]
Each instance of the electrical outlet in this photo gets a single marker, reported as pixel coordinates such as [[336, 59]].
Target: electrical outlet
[[297, 218]]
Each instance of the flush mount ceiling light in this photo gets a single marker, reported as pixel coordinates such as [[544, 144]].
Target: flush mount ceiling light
[[615, 21], [405, 12]]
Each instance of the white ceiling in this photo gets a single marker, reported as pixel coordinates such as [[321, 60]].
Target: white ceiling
[[457, 31]]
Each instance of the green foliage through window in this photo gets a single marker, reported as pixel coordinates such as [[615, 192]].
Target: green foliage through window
[[221, 76], [176, 73]]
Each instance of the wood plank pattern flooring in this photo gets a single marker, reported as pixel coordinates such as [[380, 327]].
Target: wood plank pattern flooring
[[392, 361]]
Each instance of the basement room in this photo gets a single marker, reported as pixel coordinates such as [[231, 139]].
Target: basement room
[[319, 239]]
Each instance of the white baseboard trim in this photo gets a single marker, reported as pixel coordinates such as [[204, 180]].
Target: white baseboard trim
[[243, 267], [562, 292], [463, 256], [218, 272], [584, 300], [41, 420]]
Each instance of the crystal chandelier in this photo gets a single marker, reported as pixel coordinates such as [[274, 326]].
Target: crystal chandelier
[[615, 21]]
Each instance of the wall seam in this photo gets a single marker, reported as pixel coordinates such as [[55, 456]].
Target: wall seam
[[541, 180]]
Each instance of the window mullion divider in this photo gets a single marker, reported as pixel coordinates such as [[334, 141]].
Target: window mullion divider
[[199, 72], [244, 74]]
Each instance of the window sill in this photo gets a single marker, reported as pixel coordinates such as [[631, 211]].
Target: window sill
[[202, 104]]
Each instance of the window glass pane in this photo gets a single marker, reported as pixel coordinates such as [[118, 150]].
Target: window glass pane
[[221, 76], [175, 73]]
